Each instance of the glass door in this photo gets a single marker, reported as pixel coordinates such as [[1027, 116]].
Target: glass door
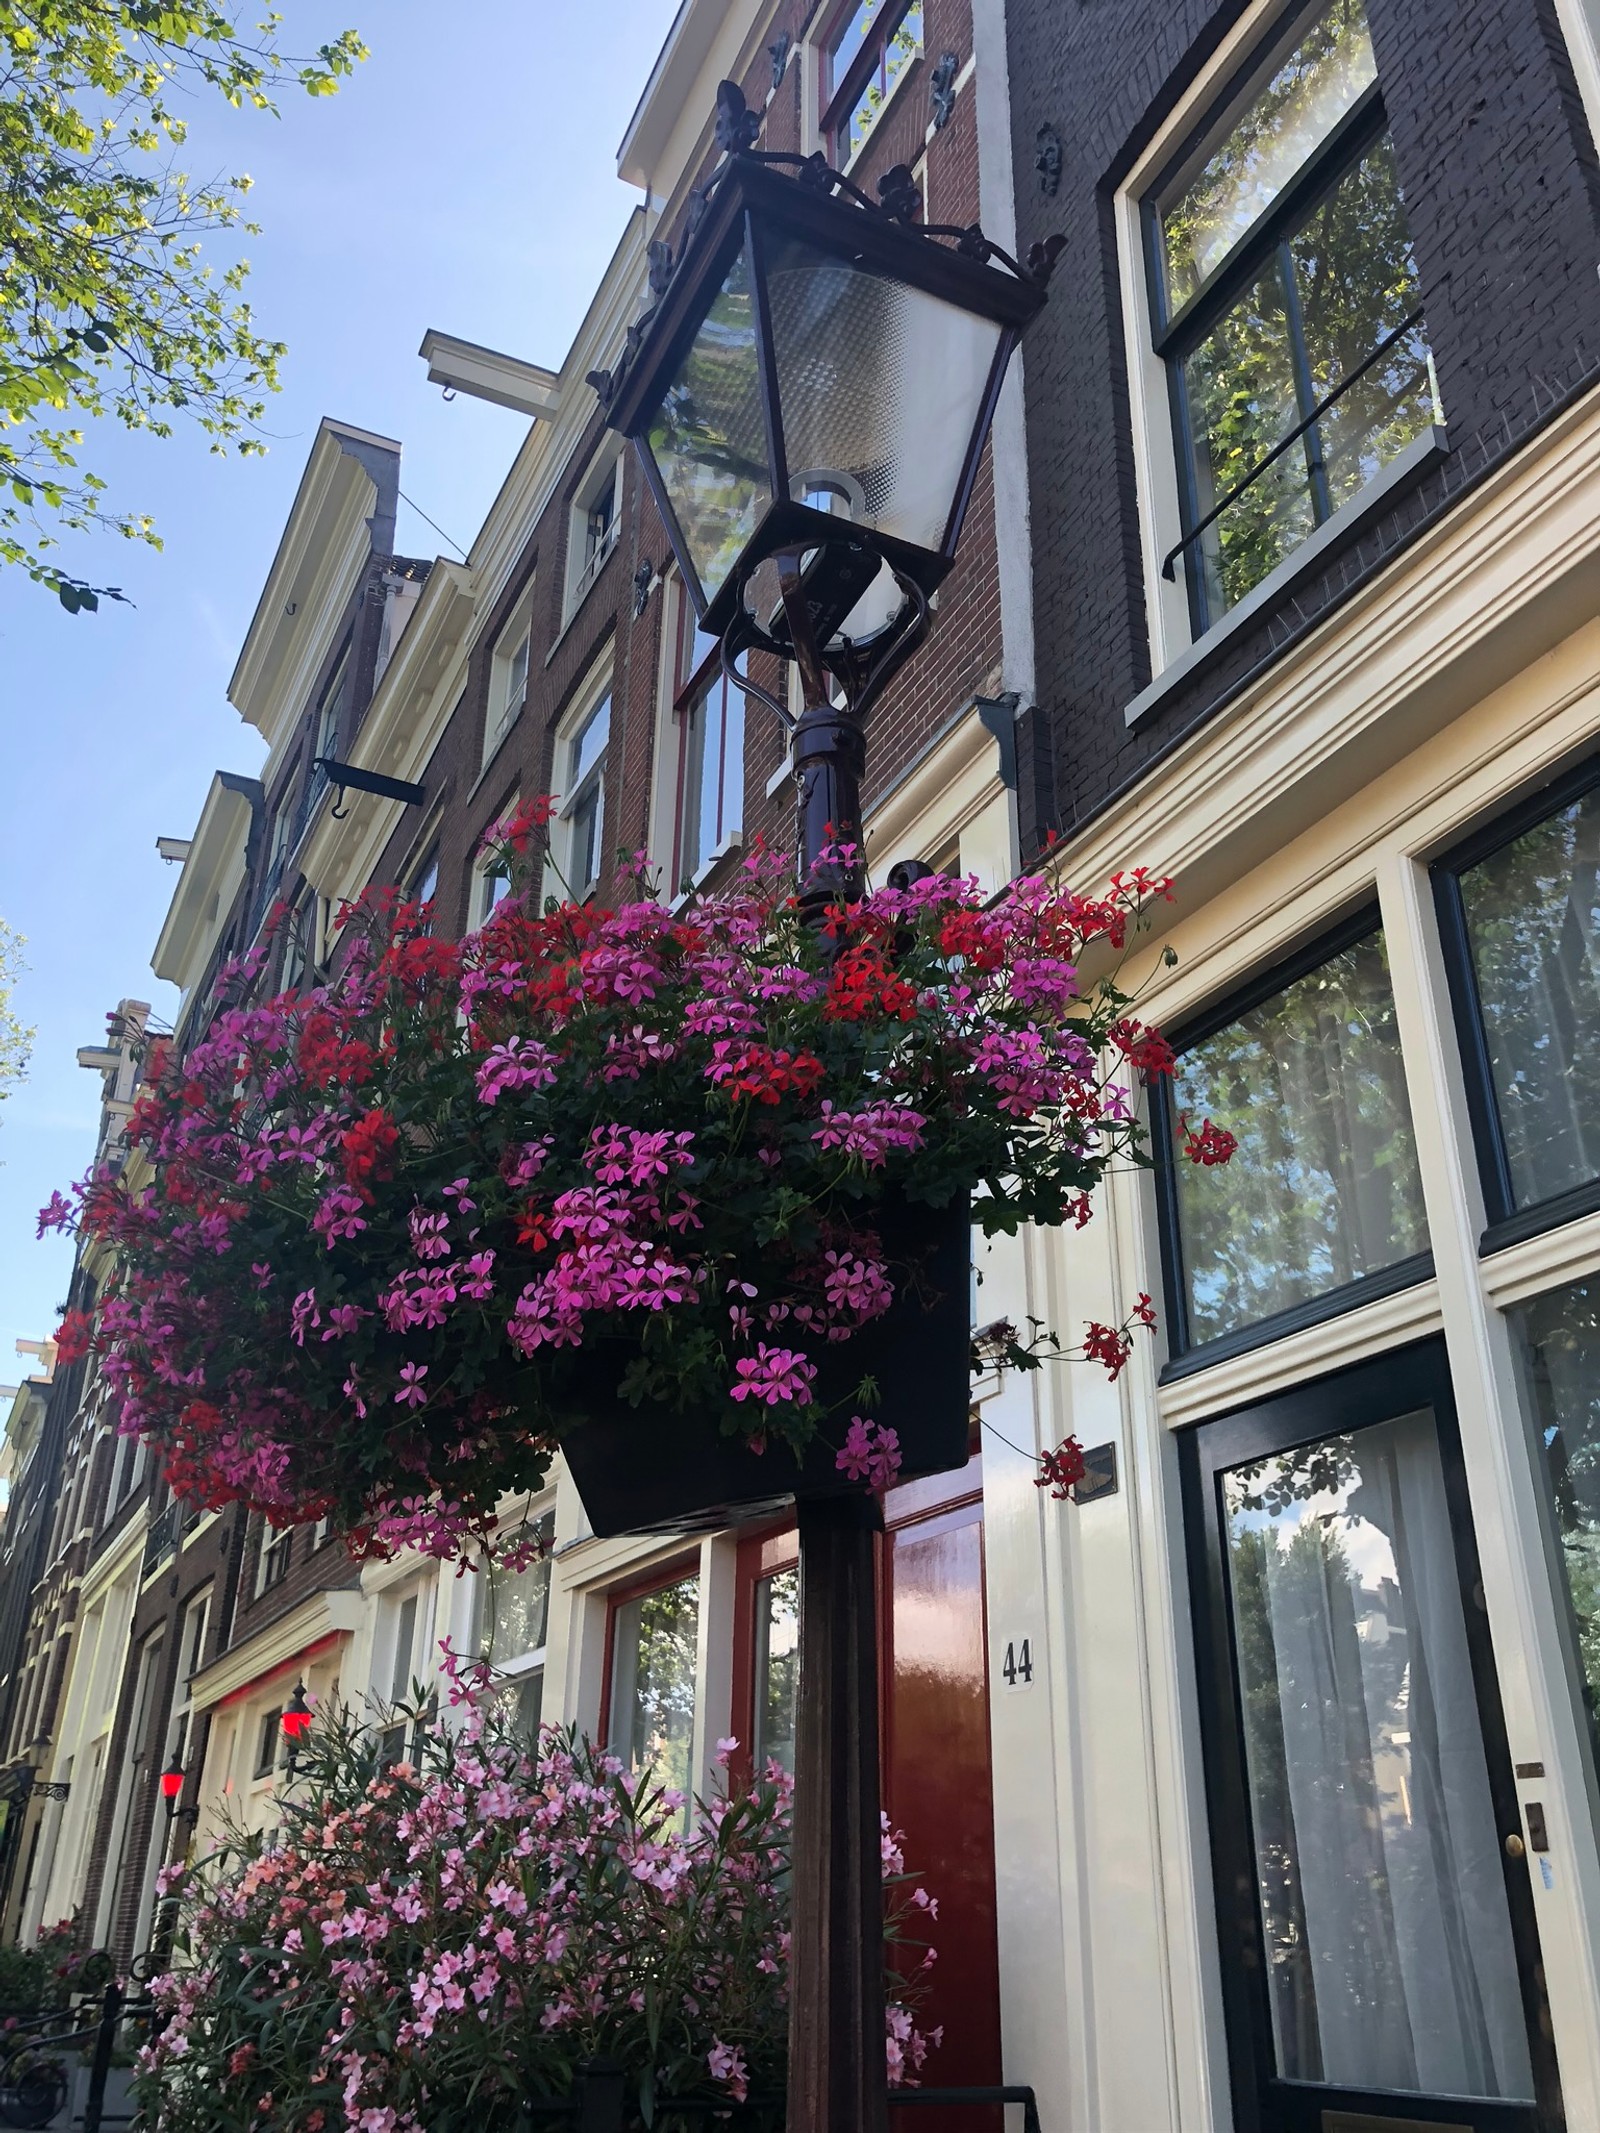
[[1379, 1952]]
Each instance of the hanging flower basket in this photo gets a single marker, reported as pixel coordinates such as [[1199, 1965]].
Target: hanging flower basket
[[684, 1193], [653, 1469]]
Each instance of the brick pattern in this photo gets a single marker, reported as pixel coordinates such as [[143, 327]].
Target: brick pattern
[[1500, 179]]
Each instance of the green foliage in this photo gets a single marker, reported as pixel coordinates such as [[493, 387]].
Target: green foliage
[[108, 304], [16, 1038]]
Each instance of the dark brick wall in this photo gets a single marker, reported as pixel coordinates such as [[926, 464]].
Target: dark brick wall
[[1500, 180]]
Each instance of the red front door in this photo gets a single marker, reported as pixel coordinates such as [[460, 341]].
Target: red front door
[[937, 1785]]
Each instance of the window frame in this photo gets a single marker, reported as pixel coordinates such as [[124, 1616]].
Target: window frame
[[837, 101], [1177, 643], [1184, 1355], [501, 712], [585, 564], [660, 1577], [689, 691], [486, 868], [277, 1542], [1504, 1222], [271, 1715], [1341, 1402], [598, 687], [1174, 337]]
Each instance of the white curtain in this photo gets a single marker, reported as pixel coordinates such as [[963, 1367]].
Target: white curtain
[[1390, 1954]]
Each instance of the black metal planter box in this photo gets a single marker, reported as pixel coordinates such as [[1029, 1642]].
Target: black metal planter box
[[656, 1469]]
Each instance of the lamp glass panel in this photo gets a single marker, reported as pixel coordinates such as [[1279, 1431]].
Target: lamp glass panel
[[881, 386], [708, 437]]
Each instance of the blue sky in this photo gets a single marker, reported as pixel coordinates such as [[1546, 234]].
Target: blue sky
[[464, 179]]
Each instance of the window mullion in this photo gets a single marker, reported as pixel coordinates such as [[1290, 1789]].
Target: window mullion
[[1305, 391]]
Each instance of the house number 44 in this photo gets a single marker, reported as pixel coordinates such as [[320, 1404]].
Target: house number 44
[[1016, 1669]]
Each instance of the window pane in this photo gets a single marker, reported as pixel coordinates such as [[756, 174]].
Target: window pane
[[709, 440], [1240, 391], [1355, 283], [1299, 107], [1562, 1333], [589, 742], [712, 785], [514, 1609], [903, 45], [653, 1681], [1390, 1963], [586, 826], [1533, 913], [777, 1670], [405, 1633], [1324, 1188]]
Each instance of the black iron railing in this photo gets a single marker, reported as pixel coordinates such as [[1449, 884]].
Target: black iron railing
[[599, 2104], [1289, 437]]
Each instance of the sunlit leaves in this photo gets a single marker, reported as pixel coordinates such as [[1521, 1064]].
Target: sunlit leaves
[[111, 303]]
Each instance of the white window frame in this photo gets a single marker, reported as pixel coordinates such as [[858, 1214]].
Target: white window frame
[[1580, 26], [486, 868], [596, 690], [508, 687], [587, 557], [1155, 460], [822, 99], [276, 1547]]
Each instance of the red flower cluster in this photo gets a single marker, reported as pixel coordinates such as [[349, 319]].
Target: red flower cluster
[[368, 1150], [1143, 1048], [1213, 1144], [328, 1060], [758, 1071], [1061, 1470], [863, 986]]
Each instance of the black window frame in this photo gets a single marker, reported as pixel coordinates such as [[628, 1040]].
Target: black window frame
[[1504, 1222], [1185, 1356], [1379, 1388], [1175, 336]]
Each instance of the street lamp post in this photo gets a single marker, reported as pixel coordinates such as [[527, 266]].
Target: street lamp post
[[810, 395]]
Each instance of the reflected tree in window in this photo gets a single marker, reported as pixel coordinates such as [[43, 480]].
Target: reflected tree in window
[[1324, 1189], [1532, 913]]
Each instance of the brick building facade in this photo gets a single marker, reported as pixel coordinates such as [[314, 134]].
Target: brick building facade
[[1280, 578]]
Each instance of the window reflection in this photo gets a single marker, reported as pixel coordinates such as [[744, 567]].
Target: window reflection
[[653, 1653], [1532, 912], [1324, 1190], [1561, 1332], [777, 1668]]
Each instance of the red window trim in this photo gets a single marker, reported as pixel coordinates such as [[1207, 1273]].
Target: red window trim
[[838, 99]]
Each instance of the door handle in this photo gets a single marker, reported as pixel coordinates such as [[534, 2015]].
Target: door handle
[[1515, 1846]]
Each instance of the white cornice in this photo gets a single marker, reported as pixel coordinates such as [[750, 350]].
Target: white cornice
[[938, 795], [1505, 576], [118, 1560], [402, 728], [277, 1646], [671, 128], [211, 875], [323, 545], [486, 374]]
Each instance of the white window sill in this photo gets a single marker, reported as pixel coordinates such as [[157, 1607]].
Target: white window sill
[[732, 843], [1421, 452]]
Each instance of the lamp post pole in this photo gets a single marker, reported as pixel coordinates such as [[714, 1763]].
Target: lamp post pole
[[838, 2070], [781, 428]]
